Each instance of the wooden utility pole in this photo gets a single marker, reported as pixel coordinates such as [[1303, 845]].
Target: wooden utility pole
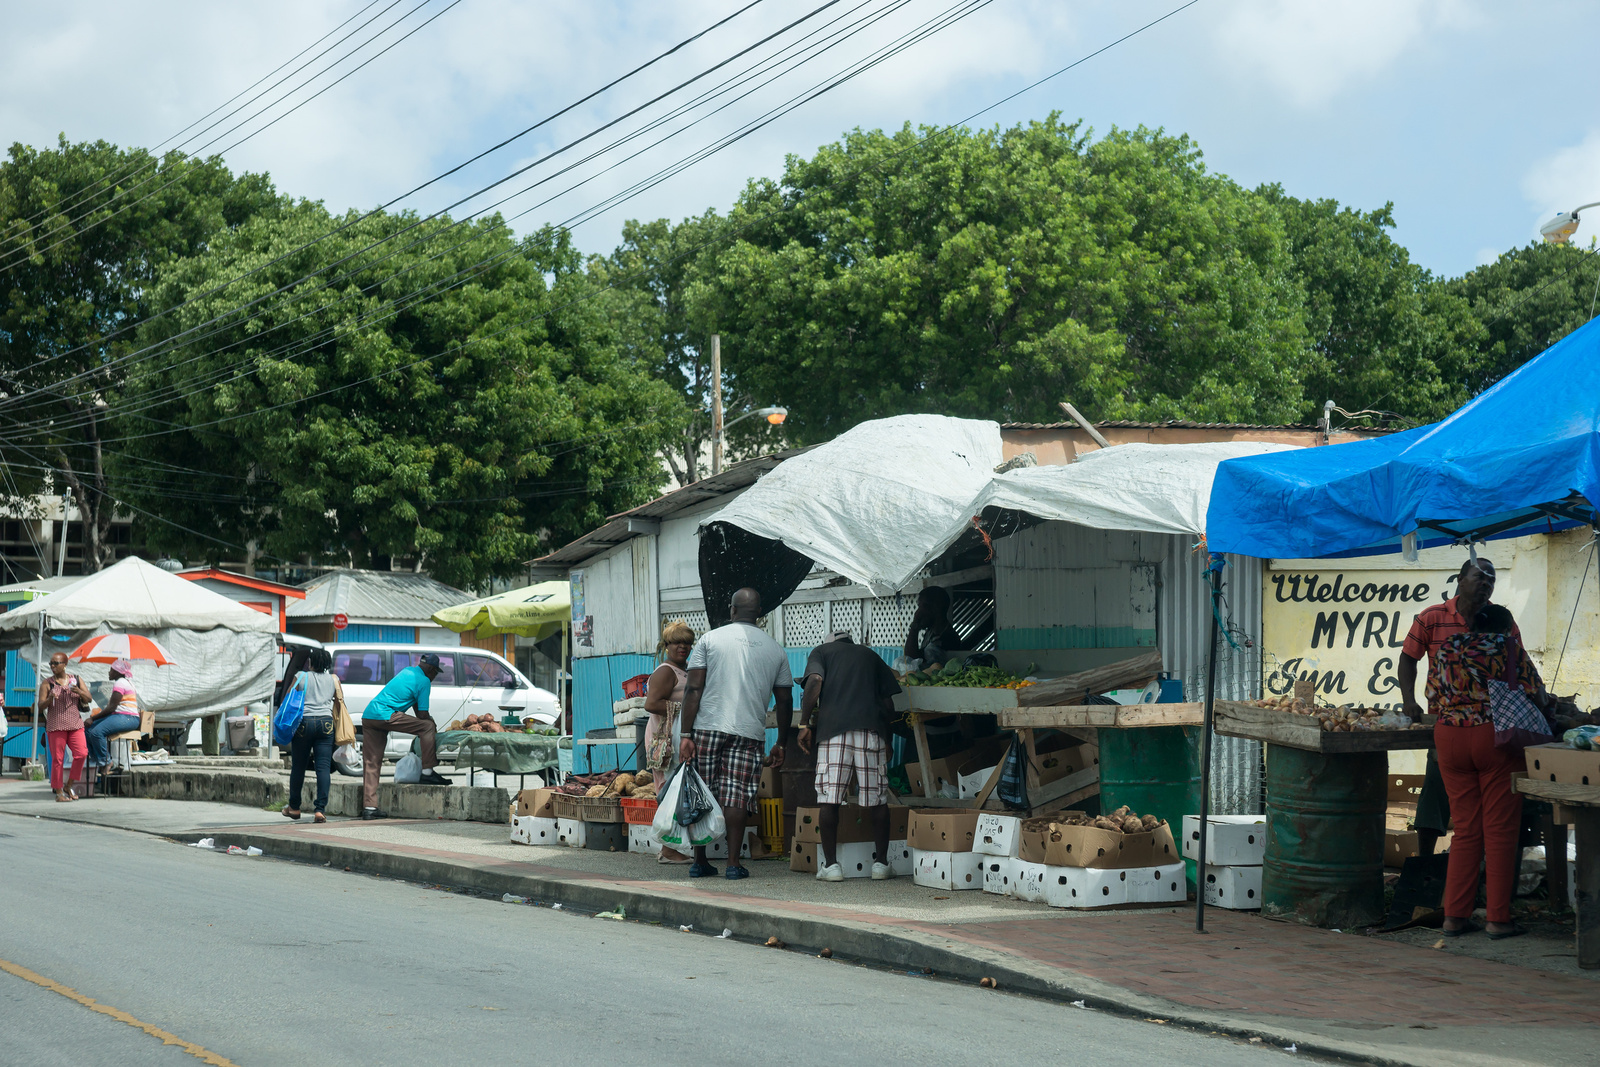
[[716, 403]]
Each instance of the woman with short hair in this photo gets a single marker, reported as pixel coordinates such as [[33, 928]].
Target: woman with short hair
[[62, 697], [313, 738], [663, 699]]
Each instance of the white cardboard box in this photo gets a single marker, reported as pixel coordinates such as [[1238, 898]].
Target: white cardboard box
[[947, 870], [998, 872], [718, 849], [1235, 888], [1231, 840], [1085, 887], [642, 839], [530, 830], [1027, 881], [855, 858], [1168, 884], [571, 832], [997, 834], [968, 786]]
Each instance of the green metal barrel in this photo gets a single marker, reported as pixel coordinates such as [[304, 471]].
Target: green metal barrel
[[1324, 861], [1155, 770]]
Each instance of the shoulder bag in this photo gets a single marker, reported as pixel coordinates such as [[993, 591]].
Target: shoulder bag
[[1518, 722]]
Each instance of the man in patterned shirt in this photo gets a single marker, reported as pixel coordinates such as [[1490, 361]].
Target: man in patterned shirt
[[1431, 629]]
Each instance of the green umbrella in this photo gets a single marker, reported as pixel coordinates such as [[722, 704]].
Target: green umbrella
[[536, 611]]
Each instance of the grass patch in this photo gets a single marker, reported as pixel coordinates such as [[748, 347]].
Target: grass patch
[[275, 807]]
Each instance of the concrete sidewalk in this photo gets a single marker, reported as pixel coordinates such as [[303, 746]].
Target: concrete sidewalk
[[1360, 997]]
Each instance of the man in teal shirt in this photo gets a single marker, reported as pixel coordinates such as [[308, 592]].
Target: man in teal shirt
[[390, 712]]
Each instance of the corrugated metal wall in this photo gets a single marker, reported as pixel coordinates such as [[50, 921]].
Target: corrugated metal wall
[[1184, 622], [1058, 585]]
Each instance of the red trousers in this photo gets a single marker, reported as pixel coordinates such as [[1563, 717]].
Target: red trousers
[[60, 741], [1487, 817]]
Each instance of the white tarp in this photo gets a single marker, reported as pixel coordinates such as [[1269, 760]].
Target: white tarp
[[874, 502], [1143, 487], [224, 651]]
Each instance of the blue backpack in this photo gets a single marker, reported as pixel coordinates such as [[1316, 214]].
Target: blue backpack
[[287, 720]]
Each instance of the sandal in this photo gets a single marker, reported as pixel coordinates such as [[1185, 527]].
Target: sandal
[[61, 797], [319, 817], [1501, 935], [1468, 928]]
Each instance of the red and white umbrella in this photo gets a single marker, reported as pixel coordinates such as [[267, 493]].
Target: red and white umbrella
[[108, 648]]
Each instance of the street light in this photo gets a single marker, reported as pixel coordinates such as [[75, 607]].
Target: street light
[[1564, 225], [773, 415]]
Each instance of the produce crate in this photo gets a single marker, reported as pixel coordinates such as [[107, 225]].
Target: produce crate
[[771, 816], [640, 811], [566, 806], [600, 809]]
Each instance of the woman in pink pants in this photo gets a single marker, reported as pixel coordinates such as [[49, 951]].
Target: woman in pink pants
[[62, 697]]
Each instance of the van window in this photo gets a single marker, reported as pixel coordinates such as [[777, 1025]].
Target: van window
[[447, 665], [487, 673], [359, 667]]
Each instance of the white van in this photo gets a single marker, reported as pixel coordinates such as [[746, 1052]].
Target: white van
[[471, 681]]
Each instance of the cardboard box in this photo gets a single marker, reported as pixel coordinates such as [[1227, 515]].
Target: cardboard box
[[1167, 884], [803, 857], [536, 803], [642, 839], [942, 830], [1061, 757], [947, 870], [1231, 840], [532, 830], [997, 834], [1558, 763], [945, 774], [1027, 881], [1087, 846], [855, 824], [771, 787], [1236, 888], [855, 859], [1399, 846], [571, 832], [1405, 788], [972, 777], [998, 871], [718, 849], [1085, 887]]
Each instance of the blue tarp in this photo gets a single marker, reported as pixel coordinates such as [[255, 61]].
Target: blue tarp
[[1509, 460]]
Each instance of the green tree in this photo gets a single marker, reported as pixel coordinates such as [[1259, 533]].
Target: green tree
[[434, 397], [1386, 334], [1527, 300], [84, 231], [994, 273]]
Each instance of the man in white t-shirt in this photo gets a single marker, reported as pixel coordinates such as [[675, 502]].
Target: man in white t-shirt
[[734, 672]]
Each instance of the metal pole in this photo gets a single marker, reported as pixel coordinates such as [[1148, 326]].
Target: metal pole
[[38, 656], [716, 403], [61, 557], [1215, 576]]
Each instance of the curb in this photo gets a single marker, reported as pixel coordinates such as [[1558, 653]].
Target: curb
[[858, 942]]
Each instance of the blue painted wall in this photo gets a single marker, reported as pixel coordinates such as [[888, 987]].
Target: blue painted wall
[[382, 635]]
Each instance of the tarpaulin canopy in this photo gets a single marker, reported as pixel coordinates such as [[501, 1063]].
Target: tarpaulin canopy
[[535, 611], [1511, 459], [224, 650], [1141, 487], [874, 502]]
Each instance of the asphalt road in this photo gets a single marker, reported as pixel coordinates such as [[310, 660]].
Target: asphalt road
[[260, 962]]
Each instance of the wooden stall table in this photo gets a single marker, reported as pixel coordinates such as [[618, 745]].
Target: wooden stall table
[[1327, 792], [1578, 805]]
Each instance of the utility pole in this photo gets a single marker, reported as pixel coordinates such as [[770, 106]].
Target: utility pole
[[716, 403], [61, 557]]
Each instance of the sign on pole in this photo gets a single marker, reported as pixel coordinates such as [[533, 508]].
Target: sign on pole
[[340, 621]]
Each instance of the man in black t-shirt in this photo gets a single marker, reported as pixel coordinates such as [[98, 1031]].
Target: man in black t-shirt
[[846, 707]]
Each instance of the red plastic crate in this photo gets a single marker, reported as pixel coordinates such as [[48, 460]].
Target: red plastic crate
[[640, 811]]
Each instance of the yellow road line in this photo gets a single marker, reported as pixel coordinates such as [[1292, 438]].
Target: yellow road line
[[204, 1055]]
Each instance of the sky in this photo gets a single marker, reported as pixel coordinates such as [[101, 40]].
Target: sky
[[1471, 116]]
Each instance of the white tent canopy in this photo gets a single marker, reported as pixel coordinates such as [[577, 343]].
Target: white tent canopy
[[224, 651], [1141, 487], [873, 502]]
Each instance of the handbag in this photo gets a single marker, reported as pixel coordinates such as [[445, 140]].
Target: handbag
[[1518, 722], [290, 712], [344, 731]]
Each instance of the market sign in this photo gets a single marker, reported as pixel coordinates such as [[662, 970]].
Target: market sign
[[1340, 624]]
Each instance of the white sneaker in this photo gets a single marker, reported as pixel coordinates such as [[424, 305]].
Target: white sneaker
[[880, 871], [831, 873]]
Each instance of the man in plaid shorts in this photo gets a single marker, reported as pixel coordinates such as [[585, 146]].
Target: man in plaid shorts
[[847, 703], [734, 672]]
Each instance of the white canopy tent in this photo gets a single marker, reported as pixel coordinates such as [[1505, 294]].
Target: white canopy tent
[[224, 650]]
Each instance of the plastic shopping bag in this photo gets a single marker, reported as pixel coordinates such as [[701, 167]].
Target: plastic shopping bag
[[347, 755], [687, 795], [665, 822], [287, 720], [409, 770]]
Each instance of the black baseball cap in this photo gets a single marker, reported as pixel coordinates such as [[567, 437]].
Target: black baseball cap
[[427, 659]]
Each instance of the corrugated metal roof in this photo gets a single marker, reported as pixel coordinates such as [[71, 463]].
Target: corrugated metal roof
[[1124, 424], [368, 595], [615, 530]]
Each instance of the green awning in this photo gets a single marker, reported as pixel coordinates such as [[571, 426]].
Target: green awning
[[536, 611]]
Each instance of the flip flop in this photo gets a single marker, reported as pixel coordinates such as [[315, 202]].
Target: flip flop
[[1501, 935], [1470, 928]]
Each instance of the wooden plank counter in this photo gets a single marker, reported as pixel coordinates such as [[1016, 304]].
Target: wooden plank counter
[[1276, 727], [1104, 716], [1580, 804]]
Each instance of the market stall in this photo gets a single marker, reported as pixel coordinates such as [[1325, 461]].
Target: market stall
[[1523, 456]]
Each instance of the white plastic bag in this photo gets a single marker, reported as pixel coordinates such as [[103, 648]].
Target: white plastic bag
[[703, 831], [666, 808], [347, 755], [409, 770]]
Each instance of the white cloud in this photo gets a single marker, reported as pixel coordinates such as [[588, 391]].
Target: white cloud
[[1312, 50], [1563, 180]]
